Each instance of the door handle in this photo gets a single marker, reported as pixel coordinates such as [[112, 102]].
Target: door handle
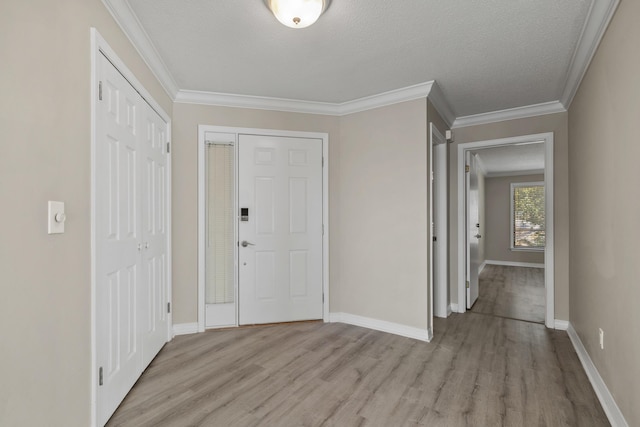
[[245, 244], [478, 236]]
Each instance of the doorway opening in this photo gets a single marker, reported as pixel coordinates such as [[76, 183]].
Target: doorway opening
[[470, 232], [439, 219]]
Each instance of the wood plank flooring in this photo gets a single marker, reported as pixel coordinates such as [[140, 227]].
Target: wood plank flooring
[[478, 371], [514, 292]]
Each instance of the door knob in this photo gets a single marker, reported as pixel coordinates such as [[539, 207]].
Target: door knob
[[478, 236], [245, 244]]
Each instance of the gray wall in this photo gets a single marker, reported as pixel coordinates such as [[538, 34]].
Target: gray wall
[[377, 206], [45, 125], [604, 148], [498, 221], [382, 212]]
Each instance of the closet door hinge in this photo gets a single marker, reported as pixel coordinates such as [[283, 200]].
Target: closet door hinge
[[467, 284], [323, 162], [100, 90], [168, 307], [467, 168], [168, 147], [100, 382]]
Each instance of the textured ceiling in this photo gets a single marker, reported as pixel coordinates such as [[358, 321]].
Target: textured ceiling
[[485, 55], [512, 159]]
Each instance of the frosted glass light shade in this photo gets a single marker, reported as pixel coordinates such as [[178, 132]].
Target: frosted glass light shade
[[297, 13]]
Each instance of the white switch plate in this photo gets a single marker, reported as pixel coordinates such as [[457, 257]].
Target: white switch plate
[[601, 338], [53, 226]]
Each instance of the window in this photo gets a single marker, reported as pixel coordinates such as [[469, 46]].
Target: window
[[220, 247], [527, 216]]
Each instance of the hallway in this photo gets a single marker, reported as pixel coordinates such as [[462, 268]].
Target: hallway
[[512, 292]]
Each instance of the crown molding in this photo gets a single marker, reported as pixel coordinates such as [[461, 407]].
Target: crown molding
[[439, 101], [410, 93], [600, 14], [255, 102], [391, 97], [127, 20], [510, 114], [598, 18]]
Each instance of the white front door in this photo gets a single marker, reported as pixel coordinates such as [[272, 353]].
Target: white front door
[[473, 230], [280, 229], [130, 220]]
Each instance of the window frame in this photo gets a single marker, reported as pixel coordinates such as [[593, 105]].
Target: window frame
[[512, 221]]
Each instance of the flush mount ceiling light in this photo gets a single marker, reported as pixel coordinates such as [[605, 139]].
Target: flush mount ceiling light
[[297, 13]]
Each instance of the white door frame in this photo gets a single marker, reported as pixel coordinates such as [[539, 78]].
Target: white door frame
[[202, 130], [99, 46], [547, 139], [438, 169]]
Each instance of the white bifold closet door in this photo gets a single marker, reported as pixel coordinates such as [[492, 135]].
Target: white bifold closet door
[[130, 237]]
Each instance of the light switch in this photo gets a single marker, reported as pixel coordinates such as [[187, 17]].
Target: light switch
[[56, 217]]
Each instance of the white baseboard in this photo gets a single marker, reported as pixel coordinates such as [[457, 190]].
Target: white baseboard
[[454, 307], [515, 264], [561, 325], [381, 325], [482, 266], [185, 328], [604, 395]]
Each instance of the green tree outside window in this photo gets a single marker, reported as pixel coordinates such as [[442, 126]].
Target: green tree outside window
[[528, 222]]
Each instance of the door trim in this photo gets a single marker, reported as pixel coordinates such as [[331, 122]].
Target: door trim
[[202, 130], [547, 138], [99, 46], [438, 169]]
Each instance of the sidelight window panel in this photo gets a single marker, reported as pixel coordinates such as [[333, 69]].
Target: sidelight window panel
[[219, 288]]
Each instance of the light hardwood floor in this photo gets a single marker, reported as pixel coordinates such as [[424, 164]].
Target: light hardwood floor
[[479, 370], [514, 292]]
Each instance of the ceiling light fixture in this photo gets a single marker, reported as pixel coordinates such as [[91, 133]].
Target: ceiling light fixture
[[297, 13]]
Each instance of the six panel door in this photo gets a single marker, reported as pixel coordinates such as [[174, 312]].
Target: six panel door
[[280, 248], [130, 237]]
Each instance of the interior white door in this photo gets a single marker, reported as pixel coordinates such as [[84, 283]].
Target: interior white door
[[280, 243], [154, 314], [130, 220], [439, 222], [118, 266], [473, 230]]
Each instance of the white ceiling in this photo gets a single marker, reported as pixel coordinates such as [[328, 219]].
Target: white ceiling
[[512, 159], [485, 55]]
